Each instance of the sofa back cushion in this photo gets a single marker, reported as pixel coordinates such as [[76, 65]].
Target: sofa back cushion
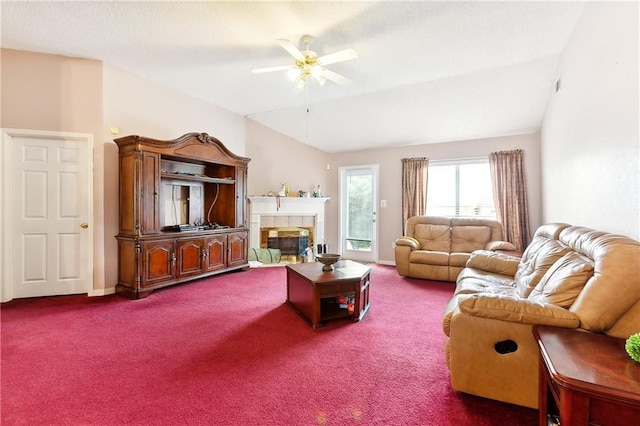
[[538, 257], [468, 238], [564, 280], [495, 227], [433, 237], [608, 298]]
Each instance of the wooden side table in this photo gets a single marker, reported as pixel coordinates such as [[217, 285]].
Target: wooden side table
[[586, 378]]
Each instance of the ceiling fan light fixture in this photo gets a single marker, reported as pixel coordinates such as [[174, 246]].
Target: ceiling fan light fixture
[[294, 73], [308, 65], [316, 71], [301, 82]]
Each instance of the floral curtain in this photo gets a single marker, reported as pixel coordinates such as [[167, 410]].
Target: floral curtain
[[414, 188], [510, 196]]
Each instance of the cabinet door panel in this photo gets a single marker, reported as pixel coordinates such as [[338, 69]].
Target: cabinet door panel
[[237, 243], [241, 197], [128, 214], [190, 257], [149, 208], [158, 261], [216, 248]]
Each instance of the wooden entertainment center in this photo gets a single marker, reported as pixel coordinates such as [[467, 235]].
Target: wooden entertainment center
[[183, 211]]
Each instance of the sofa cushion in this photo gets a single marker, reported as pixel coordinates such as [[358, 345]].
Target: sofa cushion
[[459, 259], [425, 257], [500, 245], [608, 299], [472, 273], [480, 285], [497, 263], [536, 260], [515, 309], [433, 237], [469, 238], [564, 280]]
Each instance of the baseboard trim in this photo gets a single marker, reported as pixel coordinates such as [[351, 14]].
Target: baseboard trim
[[102, 291]]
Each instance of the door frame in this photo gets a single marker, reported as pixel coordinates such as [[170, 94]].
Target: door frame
[[6, 201], [341, 214]]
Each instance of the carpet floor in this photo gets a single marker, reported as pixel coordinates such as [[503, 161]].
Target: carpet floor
[[227, 351]]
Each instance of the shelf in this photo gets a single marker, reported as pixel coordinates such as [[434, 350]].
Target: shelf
[[197, 178], [330, 309]]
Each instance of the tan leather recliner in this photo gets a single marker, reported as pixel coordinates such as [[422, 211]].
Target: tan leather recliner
[[437, 248], [568, 276]]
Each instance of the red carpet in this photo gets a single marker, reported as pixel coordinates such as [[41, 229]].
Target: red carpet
[[227, 351]]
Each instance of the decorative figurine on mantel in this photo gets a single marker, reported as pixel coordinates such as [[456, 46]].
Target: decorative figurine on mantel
[[317, 193]]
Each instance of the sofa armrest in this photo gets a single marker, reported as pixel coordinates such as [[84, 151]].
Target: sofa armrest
[[408, 241], [495, 359], [515, 309], [496, 263], [404, 247], [500, 245]]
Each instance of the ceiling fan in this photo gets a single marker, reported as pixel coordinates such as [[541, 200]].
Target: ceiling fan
[[308, 65]]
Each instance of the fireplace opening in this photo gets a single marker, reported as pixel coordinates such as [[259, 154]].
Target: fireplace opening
[[291, 241]]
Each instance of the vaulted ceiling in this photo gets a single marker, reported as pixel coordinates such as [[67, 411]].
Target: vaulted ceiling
[[427, 71]]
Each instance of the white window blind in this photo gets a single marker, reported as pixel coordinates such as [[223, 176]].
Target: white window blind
[[460, 188]]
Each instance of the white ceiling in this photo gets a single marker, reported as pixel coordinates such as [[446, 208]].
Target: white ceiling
[[428, 71]]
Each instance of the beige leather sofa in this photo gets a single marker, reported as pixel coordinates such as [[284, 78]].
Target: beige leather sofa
[[437, 248], [568, 276]]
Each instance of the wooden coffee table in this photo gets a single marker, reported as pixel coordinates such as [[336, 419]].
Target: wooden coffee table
[[586, 378], [316, 295]]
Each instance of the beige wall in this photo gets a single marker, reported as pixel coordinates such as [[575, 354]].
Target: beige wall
[[138, 106], [278, 159], [590, 139], [390, 179], [50, 92]]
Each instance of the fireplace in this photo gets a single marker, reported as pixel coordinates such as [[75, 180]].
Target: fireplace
[[288, 224], [290, 241]]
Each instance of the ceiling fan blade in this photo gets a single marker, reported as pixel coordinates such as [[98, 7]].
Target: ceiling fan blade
[[271, 69], [342, 55], [291, 48], [335, 77]]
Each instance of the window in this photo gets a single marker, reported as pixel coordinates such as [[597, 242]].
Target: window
[[460, 188]]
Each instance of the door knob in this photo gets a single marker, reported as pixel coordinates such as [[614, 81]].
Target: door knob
[[84, 225]]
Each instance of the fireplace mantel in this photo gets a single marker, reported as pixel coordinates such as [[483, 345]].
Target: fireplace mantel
[[282, 208]]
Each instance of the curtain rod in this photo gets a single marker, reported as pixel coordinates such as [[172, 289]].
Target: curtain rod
[[449, 160]]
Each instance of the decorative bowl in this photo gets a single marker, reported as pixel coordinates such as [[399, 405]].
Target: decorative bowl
[[328, 259]]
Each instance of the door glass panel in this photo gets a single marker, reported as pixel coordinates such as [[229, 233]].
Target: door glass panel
[[359, 210]]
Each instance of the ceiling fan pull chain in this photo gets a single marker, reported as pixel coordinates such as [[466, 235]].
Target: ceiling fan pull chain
[[306, 129]]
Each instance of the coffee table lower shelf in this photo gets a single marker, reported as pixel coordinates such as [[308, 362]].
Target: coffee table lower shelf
[[313, 293]]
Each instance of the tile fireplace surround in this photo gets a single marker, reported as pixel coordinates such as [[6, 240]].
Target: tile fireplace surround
[[286, 212]]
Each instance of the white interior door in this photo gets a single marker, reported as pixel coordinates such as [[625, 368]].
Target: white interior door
[[46, 205], [358, 212]]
